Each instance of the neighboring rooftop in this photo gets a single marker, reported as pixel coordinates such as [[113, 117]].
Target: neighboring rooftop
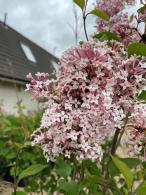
[[19, 56]]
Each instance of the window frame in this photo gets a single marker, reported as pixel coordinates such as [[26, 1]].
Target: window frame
[[28, 52]]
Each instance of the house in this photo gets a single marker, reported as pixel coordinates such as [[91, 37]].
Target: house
[[18, 57]]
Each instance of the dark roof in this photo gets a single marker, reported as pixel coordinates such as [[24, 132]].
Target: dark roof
[[13, 61]]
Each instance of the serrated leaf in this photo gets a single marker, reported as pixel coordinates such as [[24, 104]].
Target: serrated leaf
[[142, 95], [80, 3], [137, 48], [63, 168], [106, 36], [124, 169], [100, 13], [142, 9], [32, 170]]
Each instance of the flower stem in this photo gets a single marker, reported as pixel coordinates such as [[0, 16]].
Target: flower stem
[[116, 141], [15, 172], [113, 150]]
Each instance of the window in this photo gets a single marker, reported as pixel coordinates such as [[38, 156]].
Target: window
[[28, 53], [55, 65]]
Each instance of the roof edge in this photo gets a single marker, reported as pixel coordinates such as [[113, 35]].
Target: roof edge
[[12, 79], [57, 59]]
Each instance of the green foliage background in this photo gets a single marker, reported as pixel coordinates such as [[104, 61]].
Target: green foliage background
[[27, 165]]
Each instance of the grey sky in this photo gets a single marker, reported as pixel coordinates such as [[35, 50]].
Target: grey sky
[[46, 22]]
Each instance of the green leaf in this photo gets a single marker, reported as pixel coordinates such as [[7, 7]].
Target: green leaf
[[137, 48], [32, 170], [63, 168], [106, 36], [11, 155], [100, 13], [123, 168], [142, 9], [81, 43], [113, 170], [71, 188], [142, 95], [141, 190], [80, 3], [19, 145], [139, 175], [131, 18], [131, 162], [91, 167], [94, 179], [19, 193], [144, 164], [99, 180]]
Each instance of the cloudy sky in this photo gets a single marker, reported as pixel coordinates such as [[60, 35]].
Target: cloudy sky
[[46, 22]]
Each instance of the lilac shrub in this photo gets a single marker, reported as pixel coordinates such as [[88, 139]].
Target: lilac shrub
[[95, 89], [96, 103]]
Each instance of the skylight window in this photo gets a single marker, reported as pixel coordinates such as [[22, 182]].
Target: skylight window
[[28, 53], [55, 65]]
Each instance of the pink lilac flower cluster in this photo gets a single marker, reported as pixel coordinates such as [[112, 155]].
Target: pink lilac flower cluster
[[119, 22], [112, 7], [96, 87], [120, 25], [134, 140]]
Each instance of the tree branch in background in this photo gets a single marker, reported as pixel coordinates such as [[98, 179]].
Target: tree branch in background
[[76, 27]]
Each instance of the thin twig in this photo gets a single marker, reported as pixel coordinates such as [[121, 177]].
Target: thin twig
[[84, 19]]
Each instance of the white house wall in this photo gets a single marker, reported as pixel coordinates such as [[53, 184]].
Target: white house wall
[[9, 97]]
